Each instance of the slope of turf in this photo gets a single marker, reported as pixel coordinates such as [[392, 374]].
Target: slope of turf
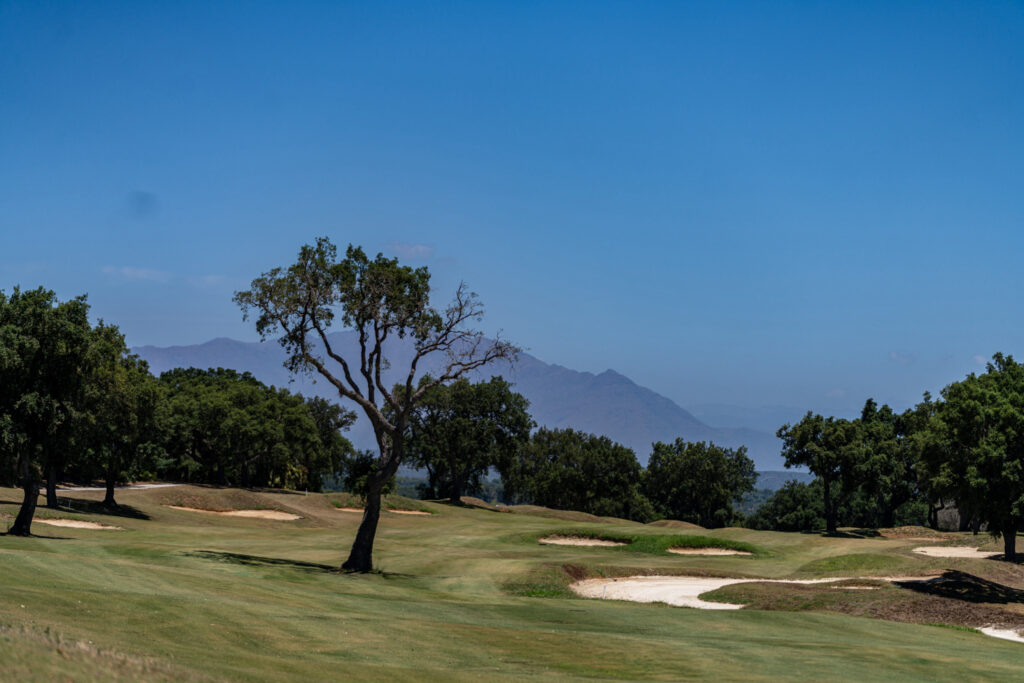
[[176, 595]]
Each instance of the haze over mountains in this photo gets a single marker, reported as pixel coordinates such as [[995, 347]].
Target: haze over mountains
[[608, 403]]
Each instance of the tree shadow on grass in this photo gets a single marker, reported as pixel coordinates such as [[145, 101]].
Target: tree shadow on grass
[[967, 587], [260, 561], [88, 507]]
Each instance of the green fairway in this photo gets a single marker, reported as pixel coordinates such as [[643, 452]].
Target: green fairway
[[177, 595]]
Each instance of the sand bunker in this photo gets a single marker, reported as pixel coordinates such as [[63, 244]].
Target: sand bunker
[[1004, 633], [706, 551], [257, 514], [76, 524], [956, 551], [578, 540], [397, 512], [684, 591]]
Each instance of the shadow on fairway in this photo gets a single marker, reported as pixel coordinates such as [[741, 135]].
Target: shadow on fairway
[[966, 587], [88, 507], [258, 561]]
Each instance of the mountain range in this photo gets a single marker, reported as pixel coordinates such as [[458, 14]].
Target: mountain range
[[608, 403]]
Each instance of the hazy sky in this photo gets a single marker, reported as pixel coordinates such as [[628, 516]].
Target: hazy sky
[[750, 203]]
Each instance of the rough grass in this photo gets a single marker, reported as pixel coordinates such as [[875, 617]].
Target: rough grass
[[185, 596], [391, 502]]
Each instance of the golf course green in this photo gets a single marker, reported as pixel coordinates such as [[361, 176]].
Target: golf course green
[[468, 593]]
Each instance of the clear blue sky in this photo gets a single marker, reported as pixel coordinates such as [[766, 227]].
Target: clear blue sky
[[750, 203]]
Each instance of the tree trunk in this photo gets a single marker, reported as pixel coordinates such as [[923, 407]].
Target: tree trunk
[[360, 558], [51, 487], [976, 525], [23, 522], [455, 493], [830, 513], [888, 517], [1010, 544], [108, 499]]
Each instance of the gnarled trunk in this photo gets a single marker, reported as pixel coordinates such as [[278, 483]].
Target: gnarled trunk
[[360, 558], [23, 522]]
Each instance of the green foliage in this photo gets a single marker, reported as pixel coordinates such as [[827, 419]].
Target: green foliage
[[795, 507], [458, 431], [698, 482], [360, 467], [570, 470], [224, 427], [974, 452]]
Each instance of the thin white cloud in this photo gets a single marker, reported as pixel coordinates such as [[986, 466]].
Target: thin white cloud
[[207, 280], [980, 360], [411, 252], [135, 274]]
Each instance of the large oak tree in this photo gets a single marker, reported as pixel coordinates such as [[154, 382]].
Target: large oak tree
[[381, 301]]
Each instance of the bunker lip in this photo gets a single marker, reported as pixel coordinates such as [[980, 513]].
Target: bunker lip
[[558, 539], [707, 551], [277, 515], [77, 524], [956, 551], [685, 591], [1002, 633]]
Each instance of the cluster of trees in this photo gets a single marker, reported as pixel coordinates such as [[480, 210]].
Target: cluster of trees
[[964, 449], [76, 405]]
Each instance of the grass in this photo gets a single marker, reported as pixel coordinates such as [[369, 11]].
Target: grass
[[181, 596]]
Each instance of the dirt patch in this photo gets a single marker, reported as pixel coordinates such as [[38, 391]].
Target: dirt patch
[[677, 550], [277, 515], [914, 533], [410, 512], [349, 509], [76, 524], [674, 524], [579, 541], [956, 551]]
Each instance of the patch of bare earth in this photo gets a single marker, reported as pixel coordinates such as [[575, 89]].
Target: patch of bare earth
[[409, 512], [76, 524], [706, 551], [954, 598], [277, 515], [579, 541], [956, 551]]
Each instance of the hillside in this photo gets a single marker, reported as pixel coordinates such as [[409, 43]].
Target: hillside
[[607, 403]]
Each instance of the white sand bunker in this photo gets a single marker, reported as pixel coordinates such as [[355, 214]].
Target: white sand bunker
[[1004, 633], [76, 524], [257, 514], [955, 551], [397, 512], [684, 591], [579, 541], [678, 550]]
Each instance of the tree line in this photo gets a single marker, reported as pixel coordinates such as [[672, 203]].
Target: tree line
[[76, 405], [964, 449]]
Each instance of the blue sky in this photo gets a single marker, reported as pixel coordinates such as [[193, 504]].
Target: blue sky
[[800, 204]]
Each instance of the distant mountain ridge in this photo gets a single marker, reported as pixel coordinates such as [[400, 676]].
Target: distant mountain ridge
[[608, 403]]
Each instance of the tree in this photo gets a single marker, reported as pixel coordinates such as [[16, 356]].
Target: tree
[[381, 301], [698, 482], [43, 364], [330, 420], [459, 431], [975, 454], [571, 470], [121, 398], [828, 448], [794, 507], [885, 469]]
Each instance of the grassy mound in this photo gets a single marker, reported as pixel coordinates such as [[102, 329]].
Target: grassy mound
[[674, 524], [860, 563]]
